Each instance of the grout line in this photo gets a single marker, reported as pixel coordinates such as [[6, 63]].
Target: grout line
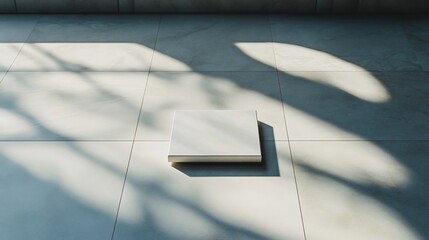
[[157, 140], [411, 46], [280, 140], [65, 140], [20, 49], [152, 140], [287, 132], [204, 71], [137, 71], [277, 71], [365, 140], [226, 71], [16, 6], [135, 132], [356, 71], [4, 75], [296, 184], [72, 71], [292, 161]]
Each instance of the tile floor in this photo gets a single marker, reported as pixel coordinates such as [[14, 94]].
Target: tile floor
[[86, 105]]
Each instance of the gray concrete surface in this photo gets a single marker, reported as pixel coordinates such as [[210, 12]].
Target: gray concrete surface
[[87, 102]]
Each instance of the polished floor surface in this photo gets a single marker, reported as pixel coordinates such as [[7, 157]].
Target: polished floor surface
[[87, 103]]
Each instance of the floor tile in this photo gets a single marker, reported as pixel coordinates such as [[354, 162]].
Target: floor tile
[[9, 51], [90, 43], [417, 30], [2, 75], [71, 106], [60, 190], [362, 189], [356, 105], [199, 201], [171, 91], [214, 43], [15, 30], [341, 44]]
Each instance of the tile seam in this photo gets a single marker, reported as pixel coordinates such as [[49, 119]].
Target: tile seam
[[64, 140], [287, 132], [166, 140], [410, 45], [363, 140], [227, 71], [20, 49], [135, 132]]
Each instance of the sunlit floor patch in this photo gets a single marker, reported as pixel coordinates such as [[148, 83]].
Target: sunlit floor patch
[[175, 204], [356, 190], [60, 190]]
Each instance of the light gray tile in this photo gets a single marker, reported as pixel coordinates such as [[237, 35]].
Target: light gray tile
[[171, 91], [90, 43], [60, 190], [67, 6], [14, 30], [7, 6], [417, 31], [199, 201], [362, 189], [52, 106], [214, 43], [9, 51], [341, 44], [2, 74], [356, 105], [223, 6]]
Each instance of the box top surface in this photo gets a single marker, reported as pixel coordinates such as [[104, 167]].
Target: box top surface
[[215, 133]]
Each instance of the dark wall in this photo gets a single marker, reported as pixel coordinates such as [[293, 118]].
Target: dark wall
[[214, 6], [7, 6]]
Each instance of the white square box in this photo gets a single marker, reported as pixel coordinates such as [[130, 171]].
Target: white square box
[[215, 136]]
